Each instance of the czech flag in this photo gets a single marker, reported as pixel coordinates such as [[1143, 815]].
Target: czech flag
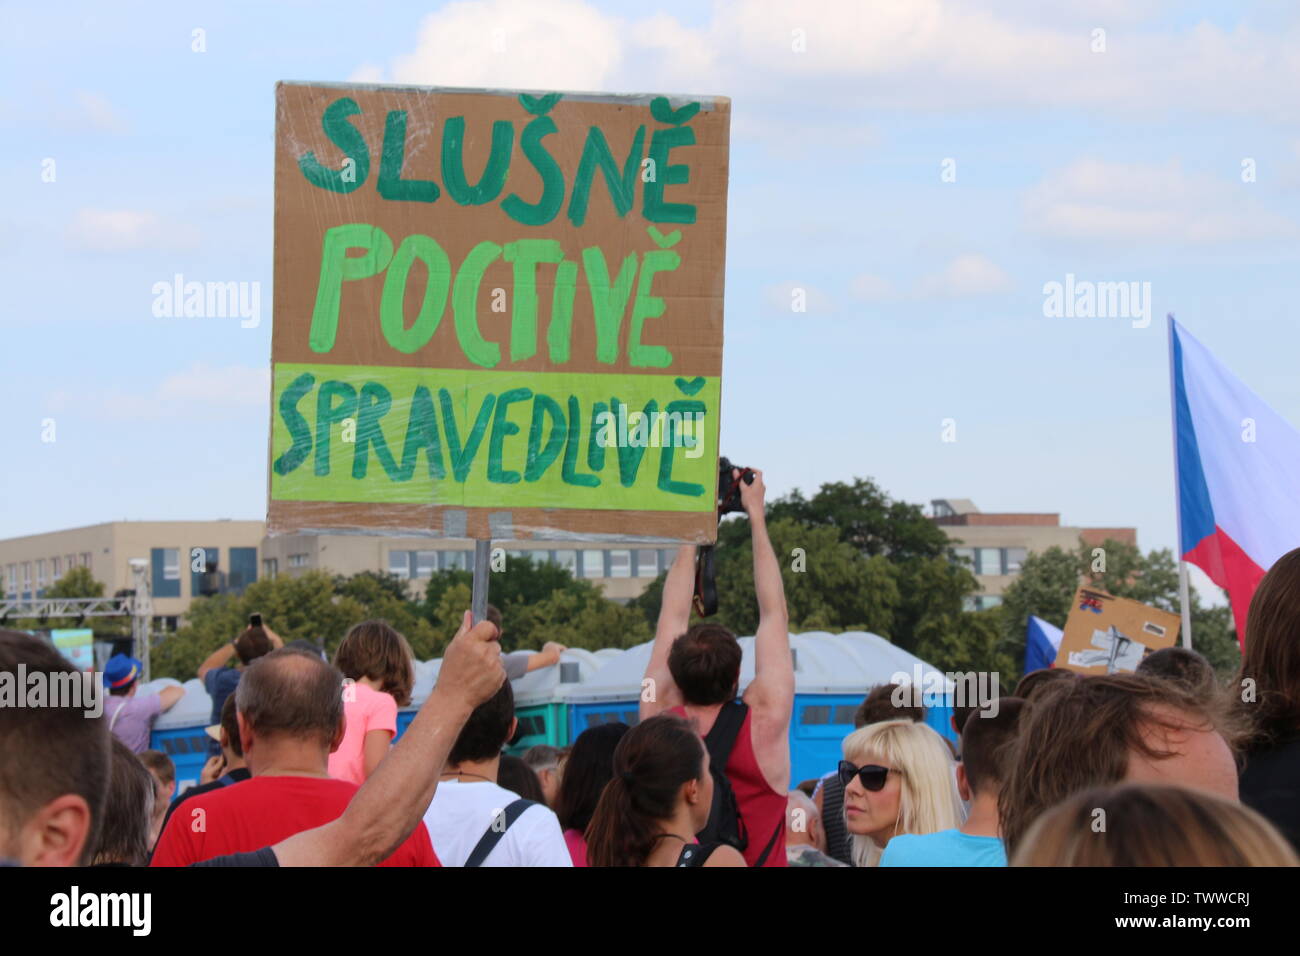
[[1238, 465], [1042, 641]]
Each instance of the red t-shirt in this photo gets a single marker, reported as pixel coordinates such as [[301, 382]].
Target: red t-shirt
[[261, 812], [762, 808]]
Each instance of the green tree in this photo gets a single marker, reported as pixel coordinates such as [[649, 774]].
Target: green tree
[[968, 641], [829, 584], [453, 600], [314, 606], [1047, 583], [930, 586], [78, 582], [523, 583], [1043, 588], [588, 621]]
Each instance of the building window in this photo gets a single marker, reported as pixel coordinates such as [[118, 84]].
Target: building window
[[12, 571], [243, 569], [40, 572], [593, 564], [208, 560], [85, 563], [568, 560], [990, 561], [1016, 559], [27, 575], [666, 557], [56, 568], [270, 567], [620, 564], [399, 563], [426, 563], [453, 561], [165, 571], [965, 555], [299, 560], [647, 564]]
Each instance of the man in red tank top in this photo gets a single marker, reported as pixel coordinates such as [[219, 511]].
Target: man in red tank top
[[694, 671]]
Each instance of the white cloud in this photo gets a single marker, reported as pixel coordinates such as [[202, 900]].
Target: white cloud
[[843, 140], [229, 389], [127, 230], [367, 73], [556, 44], [966, 275], [872, 288], [1094, 200], [81, 111], [99, 113], [969, 274], [947, 55], [847, 55]]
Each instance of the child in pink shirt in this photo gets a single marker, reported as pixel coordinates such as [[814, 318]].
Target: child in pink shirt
[[377, 666]]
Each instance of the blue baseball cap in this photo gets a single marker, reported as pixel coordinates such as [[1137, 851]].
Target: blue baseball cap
[[121, 670]]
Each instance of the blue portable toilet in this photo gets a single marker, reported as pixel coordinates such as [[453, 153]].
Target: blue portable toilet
[[426, 675], [541, 698], [181, 733], [833, 672]]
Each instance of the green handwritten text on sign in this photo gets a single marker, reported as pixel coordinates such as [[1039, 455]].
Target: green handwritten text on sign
[[385, 435]]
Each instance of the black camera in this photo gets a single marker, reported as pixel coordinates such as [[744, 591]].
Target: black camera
[[706, 590], [729, 486]]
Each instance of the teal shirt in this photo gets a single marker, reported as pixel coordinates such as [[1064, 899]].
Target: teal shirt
[[945, 848]]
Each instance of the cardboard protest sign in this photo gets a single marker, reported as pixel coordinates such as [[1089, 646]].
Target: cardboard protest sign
[[1110, 635], [497, 314]]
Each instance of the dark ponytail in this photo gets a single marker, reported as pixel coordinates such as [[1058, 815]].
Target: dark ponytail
[[651, 763]]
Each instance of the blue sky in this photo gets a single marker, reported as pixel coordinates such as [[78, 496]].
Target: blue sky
[[925, 297]]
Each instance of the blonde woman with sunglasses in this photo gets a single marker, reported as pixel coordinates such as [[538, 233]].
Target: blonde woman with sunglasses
[[898, 777]]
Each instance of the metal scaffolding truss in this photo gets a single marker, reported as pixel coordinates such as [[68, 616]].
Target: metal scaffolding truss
[[42, 608], [138, 607]]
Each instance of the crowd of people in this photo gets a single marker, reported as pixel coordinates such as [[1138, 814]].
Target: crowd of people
[[1167, 766]]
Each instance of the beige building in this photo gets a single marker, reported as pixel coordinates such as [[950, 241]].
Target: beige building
[[182, 556], [996, 545], [190, 558], [620, 572]]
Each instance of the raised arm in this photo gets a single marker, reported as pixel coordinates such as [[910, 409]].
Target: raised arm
[[771, 693], [674, 619], [217, 658], [548, 656], [168, 697], [391, 803]]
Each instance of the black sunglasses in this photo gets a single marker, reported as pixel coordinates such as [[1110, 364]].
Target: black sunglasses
[[872, 776]]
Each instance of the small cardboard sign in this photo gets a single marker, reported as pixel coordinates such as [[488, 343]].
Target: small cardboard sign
[[497, 314], [1110, 635]]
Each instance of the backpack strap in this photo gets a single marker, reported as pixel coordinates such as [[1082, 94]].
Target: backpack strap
[[762, 857], [496, 830], [116, 714], [696, 854], [721, 738]]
